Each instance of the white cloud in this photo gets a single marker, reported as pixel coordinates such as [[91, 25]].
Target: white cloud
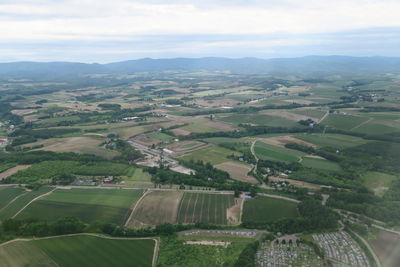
[[104, 30], [88, 19]]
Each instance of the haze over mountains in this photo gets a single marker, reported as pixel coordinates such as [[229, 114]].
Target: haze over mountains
[[310, 65]]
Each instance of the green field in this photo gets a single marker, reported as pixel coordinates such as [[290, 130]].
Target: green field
[[320, 164], [8, 193], [333, 140], [314, 113], [265, 210], [378, 182], [162, 136], [89, 205], [203, 207], [271, 152], [344, 122], [214, 154], [259, 119], [78, 250], [138, 176], [24, 198]]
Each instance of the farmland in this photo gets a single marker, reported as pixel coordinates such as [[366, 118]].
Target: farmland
[[20, 201], [8, 194], [333, 140], [259, 119], [214, 155], [207, 162], [89, 205], [156, 207], [270, 152], [344, 122], [265, 209], [81, 145], [65, 251], [204, 207], [237, 171]]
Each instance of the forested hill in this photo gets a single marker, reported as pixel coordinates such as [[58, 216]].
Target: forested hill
[[304, 65]]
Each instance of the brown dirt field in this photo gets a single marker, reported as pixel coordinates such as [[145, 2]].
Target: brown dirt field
[[80, 145], [283, 140], [314, 157], [237, 171], [287, 115], [181, 132], [387, 248], [22, 112], [156, 207], [295, 183], [233, 213], [12, 170]]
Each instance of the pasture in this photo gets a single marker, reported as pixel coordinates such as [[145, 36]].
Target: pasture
[[204, 207], [78, 250], [271, 152], [378, 182], [265, 210], [89, 205], [156, 207], [137, 176], [213, 154], [333, 140], [320, 163]]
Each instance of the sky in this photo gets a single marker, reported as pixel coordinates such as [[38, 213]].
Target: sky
[[115, 30]]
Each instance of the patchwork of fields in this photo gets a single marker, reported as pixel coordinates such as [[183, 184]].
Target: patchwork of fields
[[78, 250], [158, 207]]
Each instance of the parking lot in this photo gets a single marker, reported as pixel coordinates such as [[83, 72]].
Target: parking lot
[[342, 249], [283, 255]]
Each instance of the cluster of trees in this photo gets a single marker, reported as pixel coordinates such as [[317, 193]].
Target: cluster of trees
[[107, 106], [128, 153], [247, 256], [43, 133], [206, 175], [302, 148], [313, 217], [366, 203], [33, 227]]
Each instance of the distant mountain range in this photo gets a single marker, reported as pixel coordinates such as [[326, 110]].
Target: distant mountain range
[[310, 65]]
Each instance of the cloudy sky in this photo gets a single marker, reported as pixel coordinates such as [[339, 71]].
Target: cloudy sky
[[114, 30]]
